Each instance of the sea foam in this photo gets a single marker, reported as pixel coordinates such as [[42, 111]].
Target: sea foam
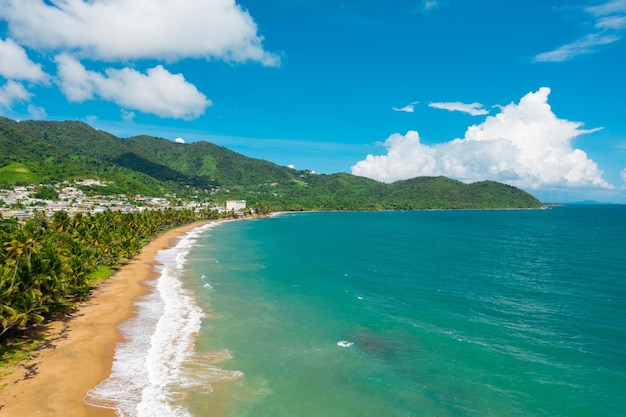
[[156, 364]]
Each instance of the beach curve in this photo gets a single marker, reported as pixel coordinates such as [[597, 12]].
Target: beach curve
[[80, 352]]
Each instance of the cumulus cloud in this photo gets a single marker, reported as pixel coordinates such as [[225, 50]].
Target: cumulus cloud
[[180, 140], [524, 145], [15, 64], [16, 67], [475, 109], [409, 108], [12, 92], [610, 24], [158, 91], [139, 29], [128, 31]]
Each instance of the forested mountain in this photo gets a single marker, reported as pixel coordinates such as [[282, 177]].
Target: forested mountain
[[49, 152]]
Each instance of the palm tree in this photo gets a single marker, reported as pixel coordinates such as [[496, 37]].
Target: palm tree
[[60, 221], [51, 272], [8, 316], [20, 249], [42, 263]]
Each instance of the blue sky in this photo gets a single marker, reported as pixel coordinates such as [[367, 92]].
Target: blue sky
[[528, 93]]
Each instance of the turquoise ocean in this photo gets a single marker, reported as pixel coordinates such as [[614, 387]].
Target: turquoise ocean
[[417, 313]]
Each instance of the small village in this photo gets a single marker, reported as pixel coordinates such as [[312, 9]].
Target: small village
[[21, 201]]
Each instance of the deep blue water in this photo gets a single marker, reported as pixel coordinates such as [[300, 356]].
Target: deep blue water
[[425, 313]]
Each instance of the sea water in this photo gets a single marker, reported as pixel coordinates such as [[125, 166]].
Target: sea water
[[423, 313]]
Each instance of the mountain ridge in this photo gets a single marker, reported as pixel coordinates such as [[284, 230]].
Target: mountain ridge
[[57, 151]]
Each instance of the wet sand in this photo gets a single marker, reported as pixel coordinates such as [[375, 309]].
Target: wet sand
[[80, 351]]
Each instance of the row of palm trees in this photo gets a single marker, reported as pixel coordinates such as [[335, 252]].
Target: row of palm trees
[[46, 264]]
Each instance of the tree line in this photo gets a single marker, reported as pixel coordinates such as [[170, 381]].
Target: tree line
[[47, 264]]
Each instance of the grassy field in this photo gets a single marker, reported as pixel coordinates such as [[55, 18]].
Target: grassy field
[[17, 174]]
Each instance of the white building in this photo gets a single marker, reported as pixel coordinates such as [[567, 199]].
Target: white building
[[235, 205]]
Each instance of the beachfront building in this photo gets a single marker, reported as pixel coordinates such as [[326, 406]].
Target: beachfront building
[[236, 205]]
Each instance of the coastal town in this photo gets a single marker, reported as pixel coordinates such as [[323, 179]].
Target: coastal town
[[25, 202]]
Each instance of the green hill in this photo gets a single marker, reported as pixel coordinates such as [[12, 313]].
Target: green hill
[[17, 173], [49, 152]]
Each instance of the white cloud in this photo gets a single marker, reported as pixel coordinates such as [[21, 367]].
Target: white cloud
[[127, 116], [36, 113], [524, 145], [12, 92], [75, 81], [610, 23], [406, 158], [409, 108], [158, 92], [608, 8], [475, 109], [428, 5], [139, 29], [180, 140], [121, 30], [15, 64], [585, 45], [622, 173]]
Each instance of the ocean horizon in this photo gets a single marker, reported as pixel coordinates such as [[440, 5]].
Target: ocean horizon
[[417, 313]]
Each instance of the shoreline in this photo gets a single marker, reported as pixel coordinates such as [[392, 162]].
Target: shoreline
[[78, 353]]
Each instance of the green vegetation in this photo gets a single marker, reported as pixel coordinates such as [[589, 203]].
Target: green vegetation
[[48, 264], [17, 173], [51, 152], [46, 193]]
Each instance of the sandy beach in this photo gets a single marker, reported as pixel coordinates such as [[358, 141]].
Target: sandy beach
[[80, 351]]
